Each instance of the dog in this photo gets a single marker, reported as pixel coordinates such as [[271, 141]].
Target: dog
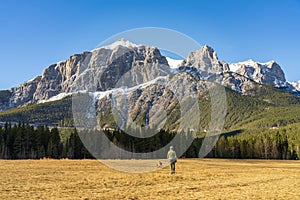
[[159, 164]]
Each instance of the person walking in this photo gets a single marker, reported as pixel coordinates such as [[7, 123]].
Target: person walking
[[172, 159]]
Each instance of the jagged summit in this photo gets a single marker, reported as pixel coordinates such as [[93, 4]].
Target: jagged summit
[[206, 61], [209, 50]]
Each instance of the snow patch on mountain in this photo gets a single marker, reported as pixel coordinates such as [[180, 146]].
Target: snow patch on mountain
[[296, 85], [56, 98], [235, 67], [120, 42], [101, 94], [31, 80], [173, 63]]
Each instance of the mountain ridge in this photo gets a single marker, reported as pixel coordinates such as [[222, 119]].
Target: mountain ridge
[[112, 61]]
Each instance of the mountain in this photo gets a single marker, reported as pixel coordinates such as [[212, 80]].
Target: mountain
[[144, 69], [263, 73], [108, 64]]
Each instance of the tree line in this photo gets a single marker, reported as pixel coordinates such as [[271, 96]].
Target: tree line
[[256, 146], [22, 141]]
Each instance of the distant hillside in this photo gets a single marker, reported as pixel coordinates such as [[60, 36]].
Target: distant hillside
[[265, 108], [51, 113]]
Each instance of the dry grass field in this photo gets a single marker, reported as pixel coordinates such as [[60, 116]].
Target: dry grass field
[[195, 179]]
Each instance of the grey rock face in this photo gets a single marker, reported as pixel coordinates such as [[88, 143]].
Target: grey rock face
[[5, 96], [152, 105], [237, 82], [106, 69], [24, 92]]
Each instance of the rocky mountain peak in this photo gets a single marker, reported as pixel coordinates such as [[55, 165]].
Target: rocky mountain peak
[[209, 52], [206, 61], [263, 73]]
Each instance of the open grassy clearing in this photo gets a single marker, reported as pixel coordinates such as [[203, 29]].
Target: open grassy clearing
[[195, 179]]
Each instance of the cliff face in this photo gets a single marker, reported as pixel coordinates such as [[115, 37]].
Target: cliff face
[[23, 94]]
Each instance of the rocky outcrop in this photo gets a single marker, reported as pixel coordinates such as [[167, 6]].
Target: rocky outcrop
[[23, 94]]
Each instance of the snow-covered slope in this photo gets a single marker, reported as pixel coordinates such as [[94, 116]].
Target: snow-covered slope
[[120, 42], [173, 63], [56, 98], [296, 85], [234, 67]]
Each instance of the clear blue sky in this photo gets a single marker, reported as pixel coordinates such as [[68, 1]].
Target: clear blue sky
[[37, 33]]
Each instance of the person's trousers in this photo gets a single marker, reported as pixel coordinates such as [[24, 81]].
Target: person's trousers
[[172, 167]]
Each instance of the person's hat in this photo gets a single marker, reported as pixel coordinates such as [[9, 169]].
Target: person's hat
[[171, 147]]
